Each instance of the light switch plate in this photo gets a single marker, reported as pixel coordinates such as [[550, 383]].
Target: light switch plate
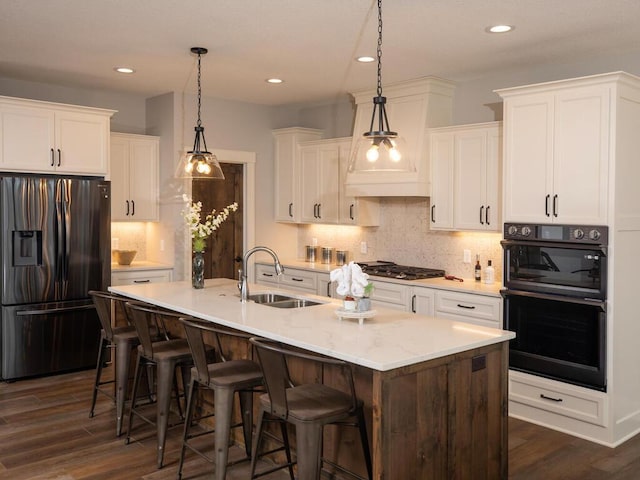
[[467, 256]]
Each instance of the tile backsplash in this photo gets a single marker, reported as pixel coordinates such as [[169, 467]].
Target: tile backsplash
[[130, 236], [404, 237]]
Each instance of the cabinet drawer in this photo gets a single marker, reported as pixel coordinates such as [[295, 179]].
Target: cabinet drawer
[[478, 309], [575, 402], [299, 280], [391, 295], [147, 276], [266, 274]]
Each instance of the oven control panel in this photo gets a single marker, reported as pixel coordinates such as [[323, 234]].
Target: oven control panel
[[587, 234]]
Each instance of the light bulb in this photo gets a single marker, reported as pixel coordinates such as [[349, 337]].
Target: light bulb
[[188, 167], [207, 169], [372, 153], [201, 167], [394, 154]]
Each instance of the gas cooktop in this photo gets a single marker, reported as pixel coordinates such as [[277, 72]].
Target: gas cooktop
[[404, 272]]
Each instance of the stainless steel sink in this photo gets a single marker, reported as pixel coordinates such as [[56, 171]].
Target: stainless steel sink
[[280, 300]]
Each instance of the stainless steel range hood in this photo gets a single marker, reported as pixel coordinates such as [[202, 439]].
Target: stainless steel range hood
[[412, 107]]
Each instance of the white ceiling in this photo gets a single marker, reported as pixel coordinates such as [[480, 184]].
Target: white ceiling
[[311, 44]]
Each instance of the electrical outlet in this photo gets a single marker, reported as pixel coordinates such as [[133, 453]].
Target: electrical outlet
[[363, 247], [467, 256], [162, 245]]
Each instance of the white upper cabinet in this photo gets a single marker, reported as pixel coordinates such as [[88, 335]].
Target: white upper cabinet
[[134, 178], [466, 177], [319, 174], [557, 152], [412, 106], [286, 162], [363, 211], [43, 137]]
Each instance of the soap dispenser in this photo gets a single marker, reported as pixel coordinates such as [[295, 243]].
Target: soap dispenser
[[489, 274]]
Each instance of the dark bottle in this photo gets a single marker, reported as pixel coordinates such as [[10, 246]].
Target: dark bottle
[[477, 269]]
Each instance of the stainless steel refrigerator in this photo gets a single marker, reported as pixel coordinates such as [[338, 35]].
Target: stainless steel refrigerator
[[54, 248]]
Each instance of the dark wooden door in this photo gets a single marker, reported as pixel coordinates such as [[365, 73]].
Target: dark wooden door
[[225, 245]]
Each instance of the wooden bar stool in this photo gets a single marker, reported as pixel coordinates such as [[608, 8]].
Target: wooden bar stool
[[309, 407], [225, 377], [166, 356], [124, 340]]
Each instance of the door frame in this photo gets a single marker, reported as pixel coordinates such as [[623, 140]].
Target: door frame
[[248, 160]]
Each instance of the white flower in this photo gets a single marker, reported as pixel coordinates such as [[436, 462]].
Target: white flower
[[199, 230]]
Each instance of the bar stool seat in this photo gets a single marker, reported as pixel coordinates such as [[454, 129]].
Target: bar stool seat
[[125, 340], [225, 377], [309, 407]]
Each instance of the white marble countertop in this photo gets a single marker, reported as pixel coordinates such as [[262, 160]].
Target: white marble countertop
[[468, 285], [390, 340], [139, 266]]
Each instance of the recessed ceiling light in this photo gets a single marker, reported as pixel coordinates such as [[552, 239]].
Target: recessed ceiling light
[[274, 80], [124, 70], [499, 29], [366, 59]]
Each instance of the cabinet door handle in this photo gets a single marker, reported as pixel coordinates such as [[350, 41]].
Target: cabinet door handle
[[297, 279], [133, 208], [315, 210], [555, 205], [59, 157], [546, 205], [413, 304], [542, 395], [329, 289], [319, 211], [142, 281], [291, 210], [487, 215], [468, 307], [127, 207], [482, 215], [433, 214], [267, 274], [53, 157], [351, 211]]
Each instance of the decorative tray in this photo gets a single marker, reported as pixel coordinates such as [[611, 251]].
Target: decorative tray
[[342, 313]]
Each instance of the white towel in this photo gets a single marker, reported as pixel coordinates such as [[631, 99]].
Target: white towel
[[351, 280]]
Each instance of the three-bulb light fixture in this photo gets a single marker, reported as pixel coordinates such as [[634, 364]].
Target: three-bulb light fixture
[[199, 163]]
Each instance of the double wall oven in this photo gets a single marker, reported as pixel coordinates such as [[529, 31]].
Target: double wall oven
[[555, 292]]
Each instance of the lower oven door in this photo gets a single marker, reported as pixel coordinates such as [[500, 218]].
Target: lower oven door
[[557, 337]]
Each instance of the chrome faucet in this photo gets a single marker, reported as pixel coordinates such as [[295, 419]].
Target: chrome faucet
[[242, 274]]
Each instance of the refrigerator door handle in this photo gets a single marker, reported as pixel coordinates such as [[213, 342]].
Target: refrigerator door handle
[[49, 311]]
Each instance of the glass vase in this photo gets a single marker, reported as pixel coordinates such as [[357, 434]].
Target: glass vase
[[197, 270]]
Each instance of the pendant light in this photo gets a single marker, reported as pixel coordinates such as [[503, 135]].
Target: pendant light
[[380, 149], [199, 163]]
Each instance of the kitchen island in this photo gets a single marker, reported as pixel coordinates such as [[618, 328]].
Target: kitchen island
[[435, 390]]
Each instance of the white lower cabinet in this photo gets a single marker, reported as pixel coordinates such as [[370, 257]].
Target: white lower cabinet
[[134, 277], [469, 307], [422, 301], [390, 295], [557, 398], [265, 275], [298, 279]]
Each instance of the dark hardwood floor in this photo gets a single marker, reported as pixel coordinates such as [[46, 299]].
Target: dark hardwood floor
[[46, 434]]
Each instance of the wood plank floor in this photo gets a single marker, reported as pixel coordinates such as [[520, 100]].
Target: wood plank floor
[[46, 434]]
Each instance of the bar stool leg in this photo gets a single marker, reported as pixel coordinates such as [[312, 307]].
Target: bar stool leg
[[309, 450], [103, 346], [246, 408], [123, 356], [134, 395], [193, 391], [165, 379], [256, 443], [223, 407]]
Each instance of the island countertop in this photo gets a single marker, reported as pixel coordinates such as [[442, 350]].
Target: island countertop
[[390, 340]]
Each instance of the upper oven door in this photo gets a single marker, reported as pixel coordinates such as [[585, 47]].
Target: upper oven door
[[575, 270]]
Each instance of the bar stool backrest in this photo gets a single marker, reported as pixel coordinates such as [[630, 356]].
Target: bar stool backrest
[[194, 329], [149, 322], [103, 302]]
